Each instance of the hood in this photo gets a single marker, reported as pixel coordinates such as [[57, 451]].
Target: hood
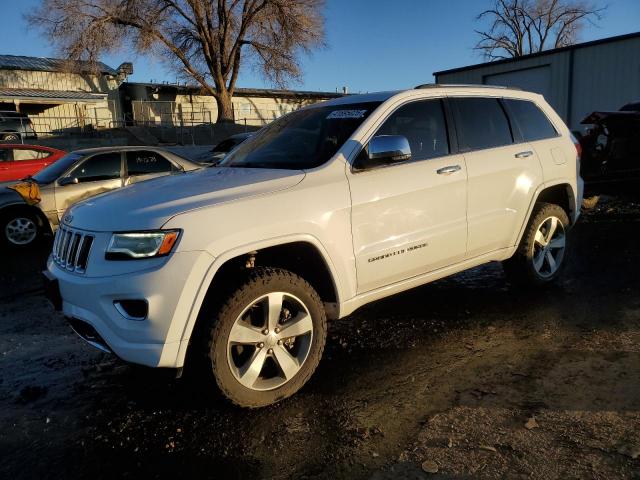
[[9, 196], [150, 204]]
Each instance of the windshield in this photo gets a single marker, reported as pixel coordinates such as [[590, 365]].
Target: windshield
[[52, 172], [303, 139]]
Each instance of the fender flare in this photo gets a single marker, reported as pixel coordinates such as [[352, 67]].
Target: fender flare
[[243, 250], [534, 200]]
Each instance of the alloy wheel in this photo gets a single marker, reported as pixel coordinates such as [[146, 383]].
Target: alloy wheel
[[270, 341], [21, 231], [549, 246]]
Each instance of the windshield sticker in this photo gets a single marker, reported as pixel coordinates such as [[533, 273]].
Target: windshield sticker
[[346, 114]]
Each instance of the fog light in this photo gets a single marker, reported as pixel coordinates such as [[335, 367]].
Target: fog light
[[132, 309]]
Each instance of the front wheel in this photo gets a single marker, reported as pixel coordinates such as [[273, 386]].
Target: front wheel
[[542, 252], [267, 338], [19, 229]]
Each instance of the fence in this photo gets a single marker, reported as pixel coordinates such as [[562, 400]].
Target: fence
[[151, 121], [161, 112]]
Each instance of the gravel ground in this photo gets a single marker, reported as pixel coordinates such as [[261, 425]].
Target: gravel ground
[[467, 376]]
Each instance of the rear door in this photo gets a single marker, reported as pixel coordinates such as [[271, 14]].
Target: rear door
[[503, 172], [97, 174], [146, 164]]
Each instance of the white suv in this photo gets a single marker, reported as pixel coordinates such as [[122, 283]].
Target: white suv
[[323, 211]]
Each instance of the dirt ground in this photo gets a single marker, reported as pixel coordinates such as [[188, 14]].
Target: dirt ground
[[467, 376]]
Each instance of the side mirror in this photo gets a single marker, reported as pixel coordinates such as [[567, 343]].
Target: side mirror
[[383, 150], [68, 181]]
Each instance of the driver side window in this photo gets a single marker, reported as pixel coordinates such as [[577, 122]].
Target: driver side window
[[424, 126], [105, 166]]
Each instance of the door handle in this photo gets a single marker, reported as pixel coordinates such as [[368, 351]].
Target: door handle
[[526, 154], [448, 170]]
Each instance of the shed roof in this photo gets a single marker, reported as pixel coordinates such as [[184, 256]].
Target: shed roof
[[239, 92], [539, 54], [50, 95], [44, 64]]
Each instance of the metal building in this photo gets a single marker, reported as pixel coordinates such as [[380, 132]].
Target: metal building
[[575, 80]]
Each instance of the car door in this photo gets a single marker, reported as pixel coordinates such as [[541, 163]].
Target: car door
[[5, 164], [96, 174], [410, 218], [503, 172], [146, 164]]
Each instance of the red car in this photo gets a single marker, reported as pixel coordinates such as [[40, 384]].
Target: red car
[[20, 161]]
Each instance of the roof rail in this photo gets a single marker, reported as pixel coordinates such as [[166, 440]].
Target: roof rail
[[463, 85]]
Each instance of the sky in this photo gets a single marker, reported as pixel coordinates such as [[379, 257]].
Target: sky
[[372, 45]]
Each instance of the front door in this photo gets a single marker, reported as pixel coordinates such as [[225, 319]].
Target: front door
[[410, 218], [97, 174]]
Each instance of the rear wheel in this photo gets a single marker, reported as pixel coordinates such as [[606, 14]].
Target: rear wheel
[[11, 137], [542, 252], [267, 339]]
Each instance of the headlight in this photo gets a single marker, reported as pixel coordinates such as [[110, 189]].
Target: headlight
[[124, 246]]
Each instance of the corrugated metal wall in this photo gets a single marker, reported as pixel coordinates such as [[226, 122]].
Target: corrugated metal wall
[[558, 64], [604, 77]]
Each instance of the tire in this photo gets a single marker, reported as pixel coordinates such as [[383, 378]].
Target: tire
[[539, 260], [11, 137], [253, 368], [19, 228]]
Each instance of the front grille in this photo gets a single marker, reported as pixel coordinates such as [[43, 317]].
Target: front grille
[[71, 249]]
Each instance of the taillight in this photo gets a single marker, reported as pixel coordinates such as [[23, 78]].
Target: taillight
[[578, 146]]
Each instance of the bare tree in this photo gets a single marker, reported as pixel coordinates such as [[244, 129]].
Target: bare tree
[[520, 27], [205, 40]]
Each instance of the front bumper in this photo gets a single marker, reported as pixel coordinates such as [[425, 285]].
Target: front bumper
[[169, 289]]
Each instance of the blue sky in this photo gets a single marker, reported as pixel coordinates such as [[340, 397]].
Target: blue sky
[[372, 44]]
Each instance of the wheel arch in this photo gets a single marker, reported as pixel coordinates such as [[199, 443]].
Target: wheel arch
[[43, 221], [4, 132], [301, 254], [560, 193]]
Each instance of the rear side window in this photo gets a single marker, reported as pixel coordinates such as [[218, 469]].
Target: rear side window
[[424, 126], [29, 154], [482, 123], [105, 166], [533, 123], [144, 162], [4, 155]]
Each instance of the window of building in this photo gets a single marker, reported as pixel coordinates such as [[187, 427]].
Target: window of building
[[144, 162], [533, 123], [482, 123], [105, 166]]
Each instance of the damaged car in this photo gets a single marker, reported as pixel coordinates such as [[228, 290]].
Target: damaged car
[[611, 145], [34, 206]]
